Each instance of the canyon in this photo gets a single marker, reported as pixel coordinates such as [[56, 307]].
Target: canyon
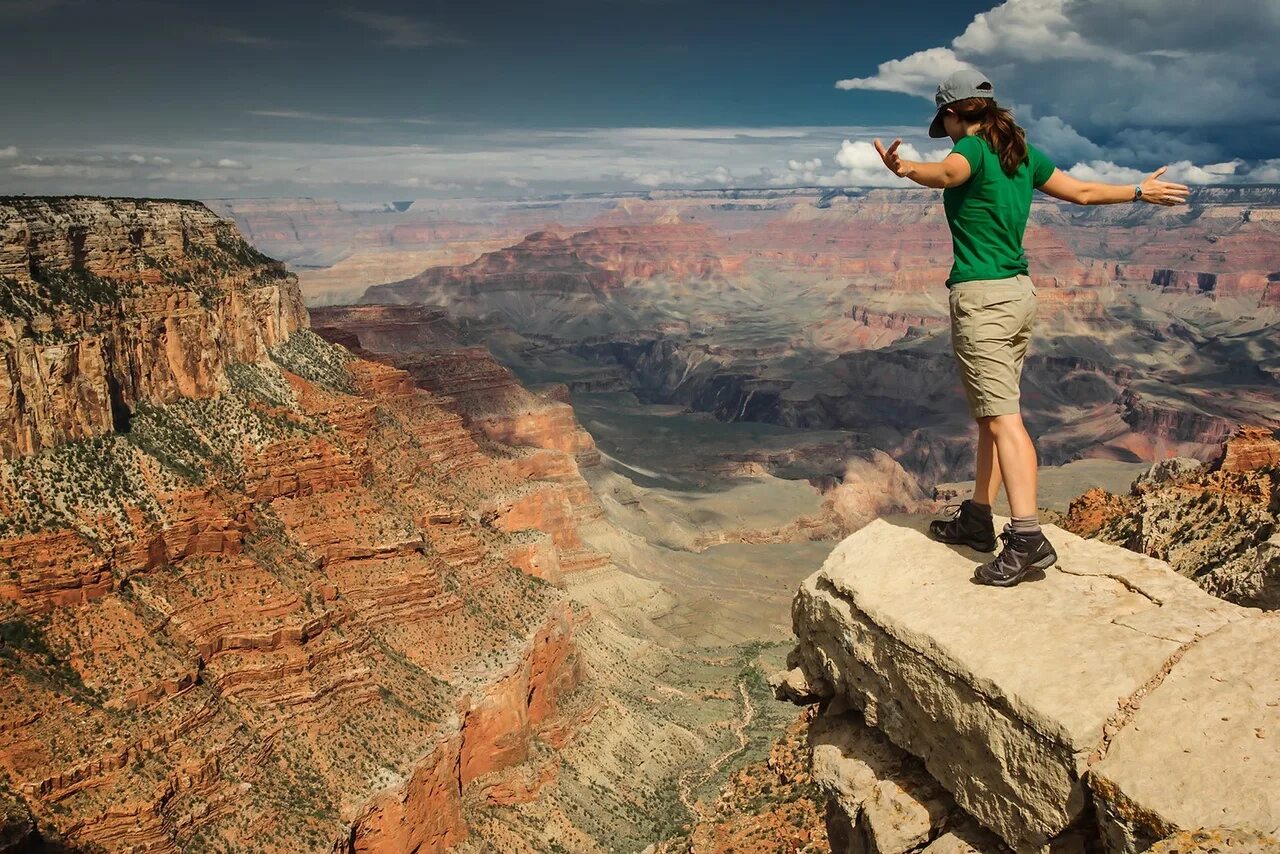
[[261, 590], [477, 524], [819, 313], [823, 310]]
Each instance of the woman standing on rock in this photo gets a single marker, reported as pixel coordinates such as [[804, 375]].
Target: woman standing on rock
[[987, 182]]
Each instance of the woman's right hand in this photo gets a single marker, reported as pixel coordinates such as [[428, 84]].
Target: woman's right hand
[[1159, 192], [892, 161]]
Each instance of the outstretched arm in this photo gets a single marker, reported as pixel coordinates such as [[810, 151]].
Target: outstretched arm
[[1062, 186], [951, 172]]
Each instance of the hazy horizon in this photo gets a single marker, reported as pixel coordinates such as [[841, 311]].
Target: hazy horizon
[[500, 100]]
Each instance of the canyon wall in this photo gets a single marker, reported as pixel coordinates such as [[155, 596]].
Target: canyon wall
[[255, 591], [111, 303]]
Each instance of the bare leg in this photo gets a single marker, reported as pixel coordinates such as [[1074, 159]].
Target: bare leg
[[1017, 462], [986, 485]]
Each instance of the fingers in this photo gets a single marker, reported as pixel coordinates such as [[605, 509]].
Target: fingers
[[895, 145], [1159, 172], [879, 147], [1176, 193]]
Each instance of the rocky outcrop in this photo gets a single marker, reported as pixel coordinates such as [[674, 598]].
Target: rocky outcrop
[[111, 303], [1092, 510], [1250, 448], [1062, 708], [1216, 523], [423, 814], [276, 613]]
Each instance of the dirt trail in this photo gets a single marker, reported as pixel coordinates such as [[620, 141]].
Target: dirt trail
[[740, 729]]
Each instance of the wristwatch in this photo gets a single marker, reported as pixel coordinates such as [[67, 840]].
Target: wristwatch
[[1137, 192]]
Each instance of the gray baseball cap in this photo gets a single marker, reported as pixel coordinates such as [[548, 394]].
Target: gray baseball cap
[[965, 83]]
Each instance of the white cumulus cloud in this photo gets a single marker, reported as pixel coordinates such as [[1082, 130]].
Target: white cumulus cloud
[[1126, 81], [917, 74]]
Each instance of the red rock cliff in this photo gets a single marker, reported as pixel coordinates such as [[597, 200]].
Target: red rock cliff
[[273, 615], [107, 303]]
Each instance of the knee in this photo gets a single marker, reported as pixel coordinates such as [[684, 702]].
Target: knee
[[1001, 425]]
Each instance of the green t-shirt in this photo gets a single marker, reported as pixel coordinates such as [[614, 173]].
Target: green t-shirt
[[988, 213]]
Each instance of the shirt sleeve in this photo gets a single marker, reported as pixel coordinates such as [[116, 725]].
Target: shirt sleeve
[[1041, 166], [971, 148]]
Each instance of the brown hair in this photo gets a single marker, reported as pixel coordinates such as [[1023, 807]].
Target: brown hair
[[997, 126]]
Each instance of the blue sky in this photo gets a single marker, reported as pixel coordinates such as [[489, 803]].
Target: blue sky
[[394, 99]]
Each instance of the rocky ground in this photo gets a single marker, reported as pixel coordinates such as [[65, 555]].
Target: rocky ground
[[1214, 522], [1108, 704]]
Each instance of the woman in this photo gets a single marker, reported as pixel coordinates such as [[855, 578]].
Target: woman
[[987, 178]]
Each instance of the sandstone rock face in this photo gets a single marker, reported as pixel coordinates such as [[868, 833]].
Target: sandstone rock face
[[425, 814], [882, 798], [111, 303], [273, 615], [1017, 700], [1216, 524], [1248, 449], [1200, 750]]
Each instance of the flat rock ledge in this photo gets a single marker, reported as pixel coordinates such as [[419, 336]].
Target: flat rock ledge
[[1109, 704]]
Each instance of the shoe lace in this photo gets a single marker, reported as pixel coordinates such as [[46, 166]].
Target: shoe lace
[[954, 509], [1005, 559]]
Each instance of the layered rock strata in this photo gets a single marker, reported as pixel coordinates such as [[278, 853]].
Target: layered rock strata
[[280, 605], [1216, 523], [1084, 704], [106, 304]]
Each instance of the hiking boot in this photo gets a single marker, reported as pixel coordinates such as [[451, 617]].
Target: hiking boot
[[965, 527], [1022, 554]]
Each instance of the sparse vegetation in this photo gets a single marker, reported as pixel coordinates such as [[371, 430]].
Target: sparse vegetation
[[24, 648], [53, 290], [313, 358]]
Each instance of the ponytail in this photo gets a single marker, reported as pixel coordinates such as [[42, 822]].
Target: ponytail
[[997, 126]]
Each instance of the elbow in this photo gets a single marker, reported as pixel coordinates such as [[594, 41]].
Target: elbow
[[1086, 196]]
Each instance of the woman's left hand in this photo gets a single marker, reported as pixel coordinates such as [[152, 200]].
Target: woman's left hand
[[892, 161]]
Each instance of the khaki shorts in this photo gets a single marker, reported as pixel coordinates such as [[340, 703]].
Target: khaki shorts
[[991, 323]]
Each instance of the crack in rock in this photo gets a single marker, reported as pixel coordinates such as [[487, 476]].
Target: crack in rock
[[1124, 582], [1128, 708]]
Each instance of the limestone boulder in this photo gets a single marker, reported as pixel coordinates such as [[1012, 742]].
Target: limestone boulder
[[1004, 694], [1203, 748]]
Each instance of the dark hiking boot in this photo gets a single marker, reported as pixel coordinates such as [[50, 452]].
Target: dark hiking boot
[[965, 527], [1022, 555]]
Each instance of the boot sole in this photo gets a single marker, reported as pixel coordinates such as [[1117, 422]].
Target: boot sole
[[1038, 566]]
